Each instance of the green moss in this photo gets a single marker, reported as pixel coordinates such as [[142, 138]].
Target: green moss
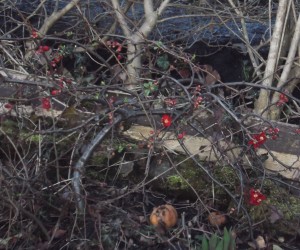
[[98, 159], [28, 137], [191, 175], [175, 182], [286, 203]]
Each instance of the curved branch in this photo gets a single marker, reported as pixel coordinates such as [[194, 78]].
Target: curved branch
[[79, 166]]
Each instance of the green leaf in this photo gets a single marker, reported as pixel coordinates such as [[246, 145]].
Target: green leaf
[[147, 92], [204, 245], [153, 87], [213, 241], [159, 44], [220, 245], [147, 85], [226, 239], [163, 62], [120, 148]]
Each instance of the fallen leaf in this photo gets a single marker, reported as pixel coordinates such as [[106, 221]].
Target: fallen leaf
[[275, 247], [212, 75], [216, 219], [260, 242]]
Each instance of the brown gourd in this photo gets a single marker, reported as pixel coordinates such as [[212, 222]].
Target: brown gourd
[[164, 216]]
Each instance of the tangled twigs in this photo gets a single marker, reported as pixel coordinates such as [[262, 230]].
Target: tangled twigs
[[79, 166]]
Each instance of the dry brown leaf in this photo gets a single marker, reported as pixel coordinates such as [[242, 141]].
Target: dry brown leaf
[[216, 219], [212, 75]]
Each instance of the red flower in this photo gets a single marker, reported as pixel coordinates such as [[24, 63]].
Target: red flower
[[181, 135], [197, 101], [282, 99], [53, 64], [258, 140], [34, 34], [166, 120], [43, 49], [256, 197], [46, 103], [55, 92], [119, 49], [8, 106]]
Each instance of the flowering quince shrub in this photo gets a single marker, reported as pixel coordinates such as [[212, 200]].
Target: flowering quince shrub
[[256, 197], [166, 120]]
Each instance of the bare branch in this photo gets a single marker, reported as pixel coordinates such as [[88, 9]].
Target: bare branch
[[151, 16], [263, 99], [79, 166], [247, 41], [121, 19]]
